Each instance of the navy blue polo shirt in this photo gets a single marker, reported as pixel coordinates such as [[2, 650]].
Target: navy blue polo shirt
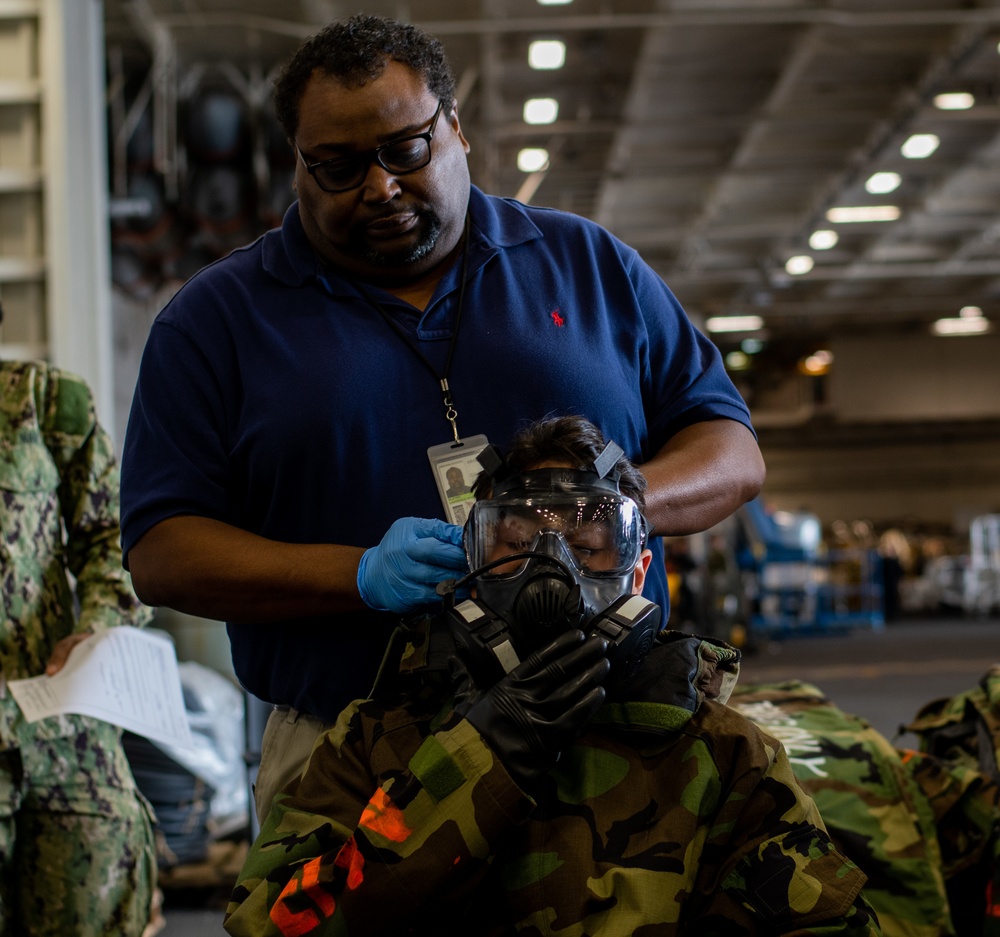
[[274, 397]]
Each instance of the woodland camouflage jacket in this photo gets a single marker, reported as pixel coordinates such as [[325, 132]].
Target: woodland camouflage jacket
[[672, 814], [58, 513]]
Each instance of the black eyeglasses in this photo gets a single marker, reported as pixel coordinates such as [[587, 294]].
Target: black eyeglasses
[[400, 157]]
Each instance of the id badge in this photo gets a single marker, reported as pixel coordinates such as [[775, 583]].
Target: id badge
[[455, 469]]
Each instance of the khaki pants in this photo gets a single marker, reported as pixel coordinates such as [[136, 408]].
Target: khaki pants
[[288, 741]]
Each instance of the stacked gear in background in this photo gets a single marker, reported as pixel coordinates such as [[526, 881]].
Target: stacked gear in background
[[200, 794], [231, 180]]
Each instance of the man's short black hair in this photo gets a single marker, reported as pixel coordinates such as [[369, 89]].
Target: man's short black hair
[[356, 51], [570, 439]]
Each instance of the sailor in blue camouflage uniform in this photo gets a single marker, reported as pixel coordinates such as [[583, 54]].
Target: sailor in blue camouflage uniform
[[76, 843]]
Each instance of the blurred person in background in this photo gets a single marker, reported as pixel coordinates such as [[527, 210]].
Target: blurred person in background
[[76, 842]]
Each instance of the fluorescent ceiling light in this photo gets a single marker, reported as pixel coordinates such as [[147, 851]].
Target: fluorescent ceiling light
[[846, 214], [547, 53], [963, 325], [553, 3], [881, 183], [734, 323], [737, 361], [954, 101], [799, 264], [920, 145], [541, 110], [532, 159], [823, 240]]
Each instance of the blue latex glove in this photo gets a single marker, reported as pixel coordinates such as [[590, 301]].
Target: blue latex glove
[[399, 575]]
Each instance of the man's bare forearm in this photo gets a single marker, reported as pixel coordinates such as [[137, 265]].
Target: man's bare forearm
[[701, 476], [207, 568]]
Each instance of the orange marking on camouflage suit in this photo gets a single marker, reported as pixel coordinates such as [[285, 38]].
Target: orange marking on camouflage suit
[[311, 886], [296, 923], [292, 923], [350, 858], [992, 907], [382, 817]]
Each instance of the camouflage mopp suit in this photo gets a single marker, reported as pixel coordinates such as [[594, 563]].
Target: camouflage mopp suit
[[924, 825], [671, 814], [76, 844]]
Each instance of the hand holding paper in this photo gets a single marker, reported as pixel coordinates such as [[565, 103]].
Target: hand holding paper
[[124, 676], [62, 650]]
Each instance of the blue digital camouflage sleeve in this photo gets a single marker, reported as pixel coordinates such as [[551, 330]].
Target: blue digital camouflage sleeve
[[89, 502]]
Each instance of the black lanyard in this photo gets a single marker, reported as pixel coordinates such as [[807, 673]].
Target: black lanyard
[[450, 413]]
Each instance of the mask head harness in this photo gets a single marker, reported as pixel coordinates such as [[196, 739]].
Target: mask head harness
[[552, 549]]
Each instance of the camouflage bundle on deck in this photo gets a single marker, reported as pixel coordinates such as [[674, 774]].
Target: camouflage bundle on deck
[[870, 805], [964, 731], [966, 728], [923, 829]]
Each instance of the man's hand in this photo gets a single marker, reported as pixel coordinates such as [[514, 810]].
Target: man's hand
[[400, 574], [540, 707], [61, 652]]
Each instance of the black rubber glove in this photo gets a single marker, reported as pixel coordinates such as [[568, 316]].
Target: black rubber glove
[[537, 709]]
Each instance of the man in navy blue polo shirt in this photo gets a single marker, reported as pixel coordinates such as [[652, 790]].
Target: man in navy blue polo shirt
[[301, 401]]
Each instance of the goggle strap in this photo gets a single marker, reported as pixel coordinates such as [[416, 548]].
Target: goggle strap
[[607, 460], [495, 464], [491, 460]]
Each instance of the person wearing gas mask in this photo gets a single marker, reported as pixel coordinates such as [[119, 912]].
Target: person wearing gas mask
[[541, 758]]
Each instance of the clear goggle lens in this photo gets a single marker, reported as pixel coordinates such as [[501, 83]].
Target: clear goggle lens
[[604, 535]]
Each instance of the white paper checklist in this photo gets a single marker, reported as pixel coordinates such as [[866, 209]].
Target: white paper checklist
[[124, 676]]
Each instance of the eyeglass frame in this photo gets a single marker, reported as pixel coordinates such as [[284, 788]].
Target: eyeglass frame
[[366, 157]]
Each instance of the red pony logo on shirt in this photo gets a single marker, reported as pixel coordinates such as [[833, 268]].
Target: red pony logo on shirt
[[557, 318]]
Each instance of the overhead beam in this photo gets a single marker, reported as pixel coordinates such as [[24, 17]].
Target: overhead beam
[[604, 21], [860, 271]]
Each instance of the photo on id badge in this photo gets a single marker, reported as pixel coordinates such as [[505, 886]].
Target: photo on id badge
[[455, 470]]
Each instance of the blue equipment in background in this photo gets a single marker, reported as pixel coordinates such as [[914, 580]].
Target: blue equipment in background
[[797, 585]]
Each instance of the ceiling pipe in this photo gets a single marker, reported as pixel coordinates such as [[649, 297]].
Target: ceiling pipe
[[863, 271], [602, 21]]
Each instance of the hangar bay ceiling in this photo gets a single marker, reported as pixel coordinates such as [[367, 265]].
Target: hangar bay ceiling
[[715, 136]]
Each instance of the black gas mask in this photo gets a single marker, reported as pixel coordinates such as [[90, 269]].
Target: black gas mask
[[553, 549]]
